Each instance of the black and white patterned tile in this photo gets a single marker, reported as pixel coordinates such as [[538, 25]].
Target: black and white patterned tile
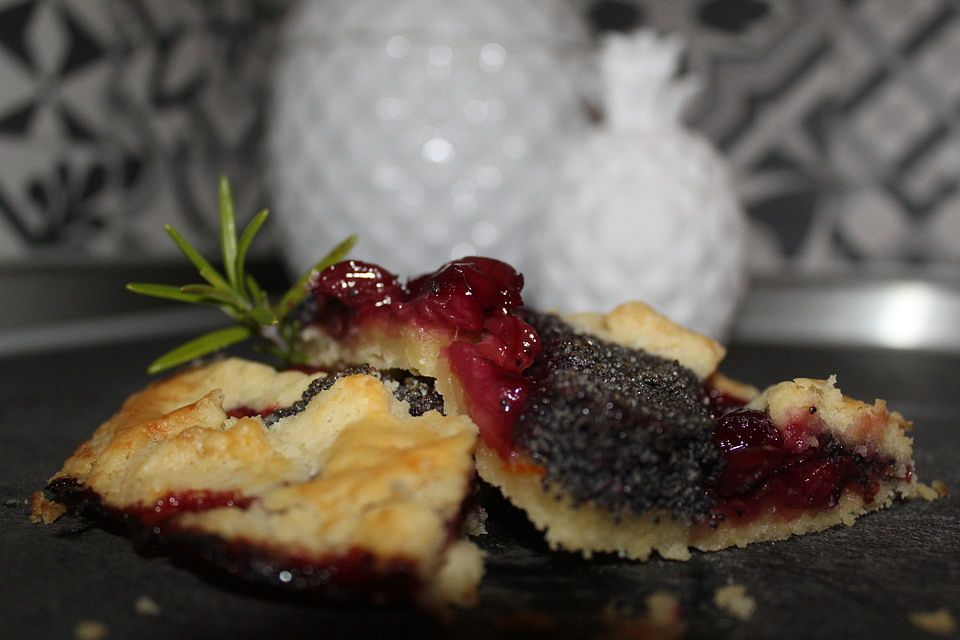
[[117, 116], [841, 118]]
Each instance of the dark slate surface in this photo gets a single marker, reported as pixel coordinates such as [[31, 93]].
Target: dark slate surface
[[847, 582]]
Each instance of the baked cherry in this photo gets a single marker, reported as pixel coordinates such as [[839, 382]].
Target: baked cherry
[[356, 285], [473, 297]]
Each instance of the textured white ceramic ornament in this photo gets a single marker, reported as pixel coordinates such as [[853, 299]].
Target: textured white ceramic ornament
[[645, 208], [430, 128]]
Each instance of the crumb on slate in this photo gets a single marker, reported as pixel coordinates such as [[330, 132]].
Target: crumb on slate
[[734, 600], [663, 620], [146, 606], [44, 510], [939, 622], [934, 491], [90, 630], [940, 487], [663, 608], [475, 524]]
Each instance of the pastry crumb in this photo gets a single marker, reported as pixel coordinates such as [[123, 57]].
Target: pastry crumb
[[663, 608], [146, 606], [934, 491], [44, 510], [475, 524], [663, 620], [90, 630], [939, 622], [734, 600]]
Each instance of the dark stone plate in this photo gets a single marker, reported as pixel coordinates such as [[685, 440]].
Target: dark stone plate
[[860, 581]]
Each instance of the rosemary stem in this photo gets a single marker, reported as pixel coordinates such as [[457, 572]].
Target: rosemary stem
[[272, 335]]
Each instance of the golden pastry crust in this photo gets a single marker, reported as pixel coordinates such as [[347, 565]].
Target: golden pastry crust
[[869, 430], [44, 510], [732, 388], [352, 471], [638, 326], [385, 346]]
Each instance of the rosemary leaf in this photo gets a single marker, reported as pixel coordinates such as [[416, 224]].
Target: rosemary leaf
[[260, 298], [254, 289], [166, 291], [237, 316], [236, 293], [221, 284], [263, 315], [207, 272], [215, 294], [205, 344], [251, 230], [228, 233]]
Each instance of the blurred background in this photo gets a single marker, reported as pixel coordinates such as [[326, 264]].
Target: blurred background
[[839, 121]]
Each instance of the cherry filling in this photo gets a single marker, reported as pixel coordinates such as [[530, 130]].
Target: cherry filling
[[768, 469], [191, 501], [719, 402], [474, 298], [163, 509], [353, 575], [243, 411]]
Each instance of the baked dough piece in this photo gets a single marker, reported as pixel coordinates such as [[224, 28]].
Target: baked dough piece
[[860, 427], [352, 496], [627, 439]]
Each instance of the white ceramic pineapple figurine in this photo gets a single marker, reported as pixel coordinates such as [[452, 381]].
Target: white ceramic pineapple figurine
[[645, 207]]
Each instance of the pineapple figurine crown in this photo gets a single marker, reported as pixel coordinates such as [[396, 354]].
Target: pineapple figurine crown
[[641, 87]]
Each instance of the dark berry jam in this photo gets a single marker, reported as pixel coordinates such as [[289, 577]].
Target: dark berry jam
[[190, 501], [474, 298], [460, 295], [243, 411], [719, 402], [354, 575], [768, 469]]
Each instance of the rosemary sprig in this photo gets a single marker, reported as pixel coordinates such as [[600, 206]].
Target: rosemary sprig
[[237, 293]]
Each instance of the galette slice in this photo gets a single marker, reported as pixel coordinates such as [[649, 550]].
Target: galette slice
[[324, 483], [614, 432], [638, 454]]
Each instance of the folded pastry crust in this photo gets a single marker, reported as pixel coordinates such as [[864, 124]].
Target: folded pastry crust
[[352, 496]]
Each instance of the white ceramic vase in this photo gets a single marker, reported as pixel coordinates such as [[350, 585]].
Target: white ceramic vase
[[430, 128]]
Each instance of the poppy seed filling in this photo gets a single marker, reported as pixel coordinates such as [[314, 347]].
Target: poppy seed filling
[[620, 428], [416, 391]]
